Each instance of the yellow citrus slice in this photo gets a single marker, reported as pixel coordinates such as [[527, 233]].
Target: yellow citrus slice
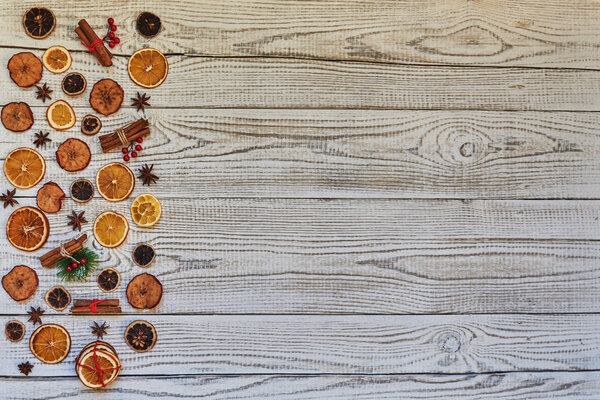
[[27, 228], [115, 182], [24, 167], [88, 365], [57, 59], [148, 68], [110, 229], [60, 115], [50, 343], [145, 210]]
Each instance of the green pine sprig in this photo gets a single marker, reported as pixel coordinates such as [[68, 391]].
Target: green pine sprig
[[82, 272]]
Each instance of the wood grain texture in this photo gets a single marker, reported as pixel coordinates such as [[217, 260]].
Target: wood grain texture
[[287, 83], [513, 386], [552, 33], [350, 153], [336, 344], [348, 256]]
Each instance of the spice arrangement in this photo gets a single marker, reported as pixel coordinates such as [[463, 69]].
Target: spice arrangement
[[28, 228]]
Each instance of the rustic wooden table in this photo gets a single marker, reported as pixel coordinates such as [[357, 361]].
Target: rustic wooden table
[[361, 199]]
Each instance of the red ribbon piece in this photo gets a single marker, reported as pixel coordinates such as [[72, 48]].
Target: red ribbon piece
[[93, 307], [97, 368], [92, 46]]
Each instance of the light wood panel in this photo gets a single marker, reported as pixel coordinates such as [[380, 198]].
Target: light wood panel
[[336, 344], [552, 33], [286, 83], [513, 386], [350, 153]]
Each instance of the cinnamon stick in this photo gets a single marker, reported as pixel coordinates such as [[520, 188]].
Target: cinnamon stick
[[87, 303], [132, 132], [89, 37], [100, 310], [105, 306], [49, 259]]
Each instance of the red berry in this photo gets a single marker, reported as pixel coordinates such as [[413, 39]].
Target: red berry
[[111, 44], [111, 35], [117, 40], [125, 150], [113, 28], [69, 269], [133, 154], [138, 147], [111, 21], [126, 158], [74, 265], [82, 261], [139, 140]]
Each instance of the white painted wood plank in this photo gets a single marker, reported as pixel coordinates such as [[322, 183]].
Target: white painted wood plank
[[335, 344], [513, 386], [288, 83], [530, 33]]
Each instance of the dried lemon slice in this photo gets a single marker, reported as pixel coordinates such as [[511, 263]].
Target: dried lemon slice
[[145, 210], [57, 59], [60, 115]]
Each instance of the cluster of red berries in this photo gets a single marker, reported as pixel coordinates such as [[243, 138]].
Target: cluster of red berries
[[132, 150], [110, 37], [74, 265]]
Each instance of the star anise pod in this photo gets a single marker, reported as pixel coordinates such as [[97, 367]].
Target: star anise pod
[[140, 101], [43, 92], [146, 175], [25, 368], [99, 330], [41, 139], [76, 220], [35, 316], [9, 198]]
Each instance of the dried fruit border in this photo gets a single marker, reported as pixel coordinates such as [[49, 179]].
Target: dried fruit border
[[72, 260]]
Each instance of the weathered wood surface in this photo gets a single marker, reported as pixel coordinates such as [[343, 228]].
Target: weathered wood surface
[[288, 83], [530, 33], [350, 153], [510, 386], [367, 344]]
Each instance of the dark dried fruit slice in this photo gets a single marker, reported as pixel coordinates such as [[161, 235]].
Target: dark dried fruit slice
[[73, 155], [20, 283], [58, 298], [17, 117], [82, 190], [90, 125], [39, 22], [143, 255], [140, 336], [74, 84], [50, 197], [25, 69], [144, 291], [106, 96], [15, 331], [108, 280], [148, 24]]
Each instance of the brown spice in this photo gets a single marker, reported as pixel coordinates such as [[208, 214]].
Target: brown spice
[[49, 198], [20, 283], [144, 291], [73, 155], [9, 198]]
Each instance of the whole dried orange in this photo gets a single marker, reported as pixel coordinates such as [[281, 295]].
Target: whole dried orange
[[145, 210], [27, 229], [115, 181], [110, 229], [148, 68], [50, 343], [24, 167], [60, 115], [57, 59]]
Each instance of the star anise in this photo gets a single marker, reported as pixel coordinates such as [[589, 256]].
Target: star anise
[[76, 220], [35, 316], [99, 330], [25, 368], [146, 175], [9, 198], [43, 92], [140, 101], [41, 139]]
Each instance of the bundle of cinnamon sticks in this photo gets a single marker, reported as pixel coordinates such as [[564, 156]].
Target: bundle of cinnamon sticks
[[105, 306], [128, 134], [93, 43], [50, 259]]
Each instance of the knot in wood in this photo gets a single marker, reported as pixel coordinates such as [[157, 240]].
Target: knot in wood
[[449, 343]]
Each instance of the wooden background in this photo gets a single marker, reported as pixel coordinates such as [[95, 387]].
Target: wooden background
[[362, 199]]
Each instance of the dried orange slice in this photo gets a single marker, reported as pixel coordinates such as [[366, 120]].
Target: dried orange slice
[[90, 363], [57, 59], [24, 167], [110, 229], [145, 210], [115, 182], [27, 228], [50, 343], [148, 68], [60, 115]]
